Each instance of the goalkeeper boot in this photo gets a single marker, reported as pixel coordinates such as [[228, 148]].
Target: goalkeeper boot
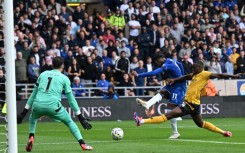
[[29, 144], [137, 119], [227, 134], [86, 147], [142, 103]]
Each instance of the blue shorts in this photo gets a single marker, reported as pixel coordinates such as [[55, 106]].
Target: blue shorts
[[177, 94]]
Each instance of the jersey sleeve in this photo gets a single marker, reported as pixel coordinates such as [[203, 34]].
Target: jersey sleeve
[[33, 94], [151, 73], [67, 85], [181, 67], [206, 74]]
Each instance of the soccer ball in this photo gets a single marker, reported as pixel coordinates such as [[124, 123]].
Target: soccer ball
[[117, 133]]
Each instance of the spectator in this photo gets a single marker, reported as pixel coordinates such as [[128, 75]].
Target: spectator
[[111, 93], [111, 47], [80, 90], [114, 58], [221, 62], [54, 50], [54, 5], [134, 27], [187, 65], [89, 72], [144, 42], [87, 49], [78, 14], [154, 36], [109, 73], [108, 36], [185, 50], [122, 38], [126, 82], [2, 88], [140, 81], [81, 58], [229, 66], [101, 46], [124, 48], [213, 65], [20, 69], [118, 20], [153, 81], [134, 64], [34, 53], [107, 61], [33, 70], [103, 84], [64, 51], [74, 70], [122, 66], [241, 63], [47, 64], [234, 57]]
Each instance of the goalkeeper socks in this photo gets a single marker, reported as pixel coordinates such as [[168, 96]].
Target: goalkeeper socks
[[154, 99], [81, 141], [211, 127], [157, 119], [31, 135]]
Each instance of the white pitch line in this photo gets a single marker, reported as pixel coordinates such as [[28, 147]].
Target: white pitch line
[[112, 141], [150, 127]]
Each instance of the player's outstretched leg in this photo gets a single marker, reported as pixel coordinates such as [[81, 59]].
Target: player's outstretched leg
[[30, 142], [213, 128], [153, 120], [149, 103], [142, 103], [209, 126]]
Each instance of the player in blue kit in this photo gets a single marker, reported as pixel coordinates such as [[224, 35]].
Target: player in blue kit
[[45, 100], [174, 92]]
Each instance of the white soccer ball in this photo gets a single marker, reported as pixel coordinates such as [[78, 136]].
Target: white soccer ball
[[117, 133]]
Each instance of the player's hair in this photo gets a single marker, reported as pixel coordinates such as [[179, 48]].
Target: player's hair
[[200, 63], [57, 62], [157, 56]]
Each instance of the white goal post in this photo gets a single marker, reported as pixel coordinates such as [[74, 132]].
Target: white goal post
[[10, 76]]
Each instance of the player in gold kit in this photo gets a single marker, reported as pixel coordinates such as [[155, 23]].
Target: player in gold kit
[[191, 104]]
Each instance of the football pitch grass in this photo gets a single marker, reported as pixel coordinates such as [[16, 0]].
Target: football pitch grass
[[55, 138]]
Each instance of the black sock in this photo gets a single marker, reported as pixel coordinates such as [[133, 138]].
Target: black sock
[[31, 135], [81, 141]]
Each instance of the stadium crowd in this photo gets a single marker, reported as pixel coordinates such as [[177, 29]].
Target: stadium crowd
[[104, 48]]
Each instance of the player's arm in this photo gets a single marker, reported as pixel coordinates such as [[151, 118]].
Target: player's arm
[[180, 79], [151, 73], [224, 76], [73, 103], [29, 103]]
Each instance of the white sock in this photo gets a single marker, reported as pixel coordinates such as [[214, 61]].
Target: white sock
[[154, 99], [142, 121], [173, 123]]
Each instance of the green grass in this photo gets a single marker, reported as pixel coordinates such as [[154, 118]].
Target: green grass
[[56, 138]]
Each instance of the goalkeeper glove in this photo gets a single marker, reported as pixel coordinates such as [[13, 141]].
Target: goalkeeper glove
[[84, 121], [21, 116]]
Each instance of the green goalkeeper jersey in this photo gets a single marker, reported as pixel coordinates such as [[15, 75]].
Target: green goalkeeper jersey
[[50, 85]]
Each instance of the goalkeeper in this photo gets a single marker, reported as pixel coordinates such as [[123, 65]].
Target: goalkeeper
[[45, 100]]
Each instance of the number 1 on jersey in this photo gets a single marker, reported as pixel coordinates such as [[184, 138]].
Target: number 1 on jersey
[[49, 82]]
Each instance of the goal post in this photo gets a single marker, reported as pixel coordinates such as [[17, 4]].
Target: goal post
[[10, 76]]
